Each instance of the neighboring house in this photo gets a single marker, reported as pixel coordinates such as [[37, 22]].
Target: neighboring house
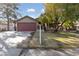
[[3, 25], [26, 23], [77, 25]]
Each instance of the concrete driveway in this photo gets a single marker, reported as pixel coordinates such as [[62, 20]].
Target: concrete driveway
[[9, 41]]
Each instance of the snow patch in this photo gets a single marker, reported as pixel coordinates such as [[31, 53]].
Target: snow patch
[[9, 41]]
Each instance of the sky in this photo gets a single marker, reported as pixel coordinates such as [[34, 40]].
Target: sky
[[31, 9]]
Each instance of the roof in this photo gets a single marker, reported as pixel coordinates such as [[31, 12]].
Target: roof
[[26, 17]]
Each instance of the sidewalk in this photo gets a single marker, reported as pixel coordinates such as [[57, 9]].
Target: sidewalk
[[50, 52]]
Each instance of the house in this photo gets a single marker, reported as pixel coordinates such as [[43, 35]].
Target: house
[[26, 23], [3, 25], [77, 25]]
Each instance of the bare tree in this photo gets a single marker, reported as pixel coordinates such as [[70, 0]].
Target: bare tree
[[9, 11]]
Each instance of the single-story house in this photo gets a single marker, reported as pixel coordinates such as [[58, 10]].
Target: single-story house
[[3, 25], [26, 23], [77, 25]]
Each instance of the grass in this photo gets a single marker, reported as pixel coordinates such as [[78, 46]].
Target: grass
[[64, 39], [56, 40]]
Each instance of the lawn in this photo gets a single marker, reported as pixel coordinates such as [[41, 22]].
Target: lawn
[[63, 39], [56, 40]]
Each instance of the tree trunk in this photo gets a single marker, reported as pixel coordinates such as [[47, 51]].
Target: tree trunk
[[59, 26], [56, 26], [7, 16]]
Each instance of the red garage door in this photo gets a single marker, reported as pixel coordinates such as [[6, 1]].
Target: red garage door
[[23, 26]]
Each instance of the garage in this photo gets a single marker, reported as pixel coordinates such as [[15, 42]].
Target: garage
[[26, 24]]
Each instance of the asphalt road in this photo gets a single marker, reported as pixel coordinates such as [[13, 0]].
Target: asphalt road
[[50, 52]]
